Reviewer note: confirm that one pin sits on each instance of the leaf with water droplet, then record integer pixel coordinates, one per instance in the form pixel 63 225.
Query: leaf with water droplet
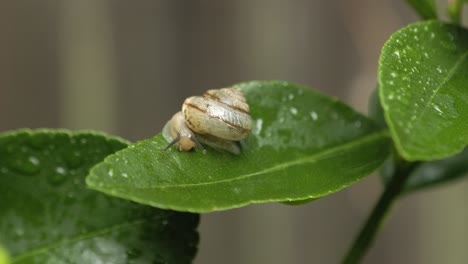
pixel 51 217
pixel 304 145
pixel 427 111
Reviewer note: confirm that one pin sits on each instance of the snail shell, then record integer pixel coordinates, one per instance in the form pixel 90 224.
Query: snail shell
pixel 220 118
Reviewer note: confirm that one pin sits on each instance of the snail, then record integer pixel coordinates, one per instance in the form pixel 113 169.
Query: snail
pixel 220 119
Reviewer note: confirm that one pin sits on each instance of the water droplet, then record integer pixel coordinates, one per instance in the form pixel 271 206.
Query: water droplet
pixel 125 175
pixel 291 97
pixel 415 70
pixel 59 177
pixel 314 115
pixel 258 126
pixel 110 173
pixel 293 110
pixel 61 170
pixel 397 53
pixel 34 160
pixel 393 74
pixel 29 166
pixel 436 107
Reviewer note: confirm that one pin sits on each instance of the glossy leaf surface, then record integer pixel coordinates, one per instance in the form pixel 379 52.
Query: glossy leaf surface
pixel 49 216
pixel 425 174
pixel 304 145
pixel 423 78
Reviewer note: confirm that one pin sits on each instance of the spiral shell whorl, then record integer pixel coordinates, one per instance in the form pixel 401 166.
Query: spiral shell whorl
pixel 222 113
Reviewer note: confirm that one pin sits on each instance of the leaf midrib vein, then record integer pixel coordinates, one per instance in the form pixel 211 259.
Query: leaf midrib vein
pixel 80 237
pixel 444 81
pixel 312 158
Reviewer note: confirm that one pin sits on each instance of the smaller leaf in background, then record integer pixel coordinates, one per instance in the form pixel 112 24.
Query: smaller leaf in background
pixel 49 216
pixel 425 8
pixel 423 78
pixel 432 173
pixel 304 145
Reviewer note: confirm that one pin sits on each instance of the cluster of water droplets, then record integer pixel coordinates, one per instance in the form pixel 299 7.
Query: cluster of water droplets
pixel 414 77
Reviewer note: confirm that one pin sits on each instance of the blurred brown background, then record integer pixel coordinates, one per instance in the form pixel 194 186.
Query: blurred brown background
pixel 125 67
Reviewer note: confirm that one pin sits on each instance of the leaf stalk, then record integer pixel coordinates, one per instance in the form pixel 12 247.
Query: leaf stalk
pixel 368 232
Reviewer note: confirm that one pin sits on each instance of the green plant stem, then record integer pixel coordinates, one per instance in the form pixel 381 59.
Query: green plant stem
pixel 381 209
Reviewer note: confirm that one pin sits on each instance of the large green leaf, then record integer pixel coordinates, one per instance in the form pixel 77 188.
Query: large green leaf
pixel 304 145
pixel 426 8
pixel 423 89
pixel 48 216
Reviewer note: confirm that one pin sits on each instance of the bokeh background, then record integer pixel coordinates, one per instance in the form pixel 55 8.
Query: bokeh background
pixel 124 67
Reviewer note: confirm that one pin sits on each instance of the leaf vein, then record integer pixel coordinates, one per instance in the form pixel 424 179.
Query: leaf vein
pixel 96 233
pixel 444 81
pixel 316 157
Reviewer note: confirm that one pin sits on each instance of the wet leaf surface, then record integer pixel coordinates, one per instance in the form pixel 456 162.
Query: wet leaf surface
pixel 304 145
pixel 422 78
pixel 49 216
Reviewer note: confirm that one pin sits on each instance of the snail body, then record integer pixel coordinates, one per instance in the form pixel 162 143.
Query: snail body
pixel 220 118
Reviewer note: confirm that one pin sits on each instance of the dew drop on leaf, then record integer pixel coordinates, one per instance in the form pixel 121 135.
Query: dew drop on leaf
pixel 26 166
pixel 314 115
pixel 58 177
